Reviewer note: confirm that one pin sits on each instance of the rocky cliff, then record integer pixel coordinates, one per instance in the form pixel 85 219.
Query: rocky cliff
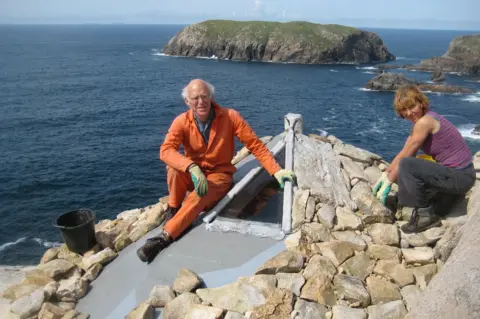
pixel 295 42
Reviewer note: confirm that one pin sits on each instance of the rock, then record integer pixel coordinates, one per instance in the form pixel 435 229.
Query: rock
pixel 297 42
pixel 337 251
pixel 36 277
pixel 50 290
pixel 72 314
pixel 384 234
pixel 50 311
pixel 411 295
pixel 308 310
pixel 319 265
pixel 180 306
pixel 142 311
pixel 50 255
pixel 441 88
pixel 424 274
pixel 29 305
pixel 437 76
pixel 372 173
pixel 239 297
pixel 299 207
pixel 360 266
pixel 388 82
pixel 355 153
pixel 347 220
pixel 352 289
pixel 355 241
pixel 291 282
pixel 382 291
pixel 428 237
pixel 139 231
pixel 130 214
pixel 56 267
pixel 95 249
pixel 362 195
pixel 160 295
pixel 326 215
pixel 319 289
pixel 295 239
pixel 316 232
pixel 200 311
pixel 342 312
pixel 397 272
pixel 286 261
pixel 122 241
pixel 310 209
pixel 278 305
pixel 65 305
pixel 266 284
pixel 384 252
pixel 103 257
pixel 390 310
pixel 186 281
pixel 418 255
pixel 93 272
pixel 72 289
pixel 16 291
pixel 447 243
pixel 106 231
pixel 354 170
pixel 234 315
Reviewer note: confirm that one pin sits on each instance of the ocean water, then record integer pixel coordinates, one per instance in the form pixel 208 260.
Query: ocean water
pixel 84 109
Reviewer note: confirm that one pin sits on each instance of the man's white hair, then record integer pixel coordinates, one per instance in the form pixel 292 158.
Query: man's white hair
pixel 211 90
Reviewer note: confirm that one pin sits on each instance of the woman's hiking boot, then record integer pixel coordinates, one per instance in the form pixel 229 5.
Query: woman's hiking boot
pixel 422 219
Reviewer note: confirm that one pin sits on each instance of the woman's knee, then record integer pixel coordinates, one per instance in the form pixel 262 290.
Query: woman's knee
pixel 405 166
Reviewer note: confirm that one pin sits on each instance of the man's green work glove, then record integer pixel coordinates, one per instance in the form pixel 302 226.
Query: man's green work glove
pixel 285 175
pixel 199 180
pixel 382 188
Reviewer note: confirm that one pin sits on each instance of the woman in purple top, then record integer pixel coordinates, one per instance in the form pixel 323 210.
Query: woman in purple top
pixel 425 185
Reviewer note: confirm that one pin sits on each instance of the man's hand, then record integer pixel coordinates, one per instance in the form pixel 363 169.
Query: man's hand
pixel 382 188
pixel 199 180
pixel 285 175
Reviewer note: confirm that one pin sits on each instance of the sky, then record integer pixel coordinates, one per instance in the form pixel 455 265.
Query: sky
pixel 418 14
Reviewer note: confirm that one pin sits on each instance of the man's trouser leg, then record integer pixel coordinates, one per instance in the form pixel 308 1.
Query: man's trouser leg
pixel 417 178
pixel 178 184
pixel 218 186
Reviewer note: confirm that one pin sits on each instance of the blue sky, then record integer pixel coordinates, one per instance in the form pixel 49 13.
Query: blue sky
pixel 429 14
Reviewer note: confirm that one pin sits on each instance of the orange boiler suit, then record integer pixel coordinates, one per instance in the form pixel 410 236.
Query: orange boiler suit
pixel 215 160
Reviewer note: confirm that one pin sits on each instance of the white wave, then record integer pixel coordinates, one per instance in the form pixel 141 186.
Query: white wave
pixel 366 90
pixel 431 92
pixel 467 131
pixel 366 68
pixel 213 57
pixel 474 98
pixel 6 245
pixel 370 72
pixel 47 244
pixel 322 132
pixel 159 54
pixel 332 70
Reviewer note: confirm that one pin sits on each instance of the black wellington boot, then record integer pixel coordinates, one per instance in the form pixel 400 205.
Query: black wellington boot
pixel 152 247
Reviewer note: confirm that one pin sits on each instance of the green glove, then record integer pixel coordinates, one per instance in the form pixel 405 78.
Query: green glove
pixel 285 175
pixel 382 188
pixel 199 180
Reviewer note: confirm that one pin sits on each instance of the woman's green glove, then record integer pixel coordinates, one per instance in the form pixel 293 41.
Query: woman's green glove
pixel 199 180
pixel 382 188
pixel 284 175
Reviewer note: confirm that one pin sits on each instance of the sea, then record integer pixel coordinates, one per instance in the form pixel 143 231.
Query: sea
pixel 84 109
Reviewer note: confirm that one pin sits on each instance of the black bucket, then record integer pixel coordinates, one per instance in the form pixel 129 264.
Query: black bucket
pixel 78 230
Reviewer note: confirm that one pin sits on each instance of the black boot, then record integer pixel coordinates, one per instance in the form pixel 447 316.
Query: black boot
pixel 153 246
pixel 422 219
pixel 168 214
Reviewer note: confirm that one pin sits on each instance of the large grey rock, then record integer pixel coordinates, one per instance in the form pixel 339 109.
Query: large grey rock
pixel 237 296
pixel 29 305
pixel 418 255
pixel 353 169
pixel 355 153
pixel 318 168
pixel 428 237
pixel 291 282
pixel 186 281
pixel 160 295
pixel 72 289
pixel 319 289
pixel 372 173
pixel 424 274
pixel 337 251
pixel 384 234
pixel 308 310
pixel 179 307
pixel 310 210
pixel 397 272
pixel 447 243
pixel 234 315
pixel 103 257
pixel 362 195
pixel 299 208
pixel 200 311
pixel 278 305
pixel 51 311
pixel 355 241
pixel 142 311
pixel 316 232
pixel 411 295
pixel 56 267
pixel 266 284
pixel 347 220
pixel 384 252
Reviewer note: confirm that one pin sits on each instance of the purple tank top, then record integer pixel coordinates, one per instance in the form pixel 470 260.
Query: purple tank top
pixel 447 146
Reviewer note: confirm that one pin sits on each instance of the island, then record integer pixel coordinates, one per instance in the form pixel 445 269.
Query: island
pixel 291 42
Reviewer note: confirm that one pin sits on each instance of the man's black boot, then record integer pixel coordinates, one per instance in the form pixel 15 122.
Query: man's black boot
pixel 422 219
pixel 168 214
pixel 153 246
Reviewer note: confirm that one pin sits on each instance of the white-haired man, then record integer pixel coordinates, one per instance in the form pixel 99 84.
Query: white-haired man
pixel 206 132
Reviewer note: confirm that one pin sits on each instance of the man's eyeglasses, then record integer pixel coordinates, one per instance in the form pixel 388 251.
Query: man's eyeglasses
pixel 197 98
